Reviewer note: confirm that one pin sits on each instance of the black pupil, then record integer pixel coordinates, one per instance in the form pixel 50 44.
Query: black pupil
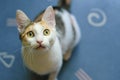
pixel 30 33
pixel 46 31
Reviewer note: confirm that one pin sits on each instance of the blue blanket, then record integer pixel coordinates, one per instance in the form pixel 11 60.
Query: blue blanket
pixel 95 58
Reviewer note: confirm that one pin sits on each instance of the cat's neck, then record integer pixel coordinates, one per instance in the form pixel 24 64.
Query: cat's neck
pixel 29 50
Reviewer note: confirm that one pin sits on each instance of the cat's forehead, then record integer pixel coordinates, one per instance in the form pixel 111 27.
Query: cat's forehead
pixel 37 26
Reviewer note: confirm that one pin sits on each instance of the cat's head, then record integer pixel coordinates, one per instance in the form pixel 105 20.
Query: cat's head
pixel 37 35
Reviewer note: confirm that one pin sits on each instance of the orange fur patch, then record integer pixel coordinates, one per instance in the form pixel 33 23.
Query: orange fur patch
pixel 23 36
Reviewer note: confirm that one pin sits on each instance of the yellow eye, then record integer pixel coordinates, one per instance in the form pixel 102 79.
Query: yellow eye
pixel 46 32
pixel 30 34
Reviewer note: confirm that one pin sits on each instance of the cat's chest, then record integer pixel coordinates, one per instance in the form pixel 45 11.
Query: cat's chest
pixel 43 63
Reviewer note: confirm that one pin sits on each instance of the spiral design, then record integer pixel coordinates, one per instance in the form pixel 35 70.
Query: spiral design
pixel 97 13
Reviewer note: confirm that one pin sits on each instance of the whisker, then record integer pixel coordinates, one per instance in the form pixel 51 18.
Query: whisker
pixel 27 56
pixel 26 46
pixel 24 67
pixel 30 54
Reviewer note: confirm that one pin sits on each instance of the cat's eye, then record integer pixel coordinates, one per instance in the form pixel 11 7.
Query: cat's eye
pixel 46 32
pixel 30 34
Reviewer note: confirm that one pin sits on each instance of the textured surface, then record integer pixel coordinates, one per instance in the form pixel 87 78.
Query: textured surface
pixel 97 55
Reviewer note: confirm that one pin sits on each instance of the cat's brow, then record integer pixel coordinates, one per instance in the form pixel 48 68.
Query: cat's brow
pixel 31 23
pixel 22 35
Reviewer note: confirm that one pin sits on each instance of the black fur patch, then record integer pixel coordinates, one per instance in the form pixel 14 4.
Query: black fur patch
pixel 60 27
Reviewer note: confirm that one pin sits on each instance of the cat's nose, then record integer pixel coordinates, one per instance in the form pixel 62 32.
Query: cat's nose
pixel 39 42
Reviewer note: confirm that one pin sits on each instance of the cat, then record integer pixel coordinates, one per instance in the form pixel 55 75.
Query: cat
pixel 47 40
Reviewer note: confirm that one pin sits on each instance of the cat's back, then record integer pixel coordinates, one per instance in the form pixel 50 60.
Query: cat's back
pixel 65 29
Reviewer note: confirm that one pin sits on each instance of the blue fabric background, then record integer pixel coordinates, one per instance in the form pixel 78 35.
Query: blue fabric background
pixel 97 54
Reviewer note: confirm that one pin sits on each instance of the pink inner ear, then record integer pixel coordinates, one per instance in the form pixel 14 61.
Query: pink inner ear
pixel 51 20
pixel 22 20
pixel 49 17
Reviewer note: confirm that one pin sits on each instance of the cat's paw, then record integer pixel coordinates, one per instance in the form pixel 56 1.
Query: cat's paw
pixel 66 57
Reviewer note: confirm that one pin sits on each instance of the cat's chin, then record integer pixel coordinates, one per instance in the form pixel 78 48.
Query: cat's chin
pixel 41 48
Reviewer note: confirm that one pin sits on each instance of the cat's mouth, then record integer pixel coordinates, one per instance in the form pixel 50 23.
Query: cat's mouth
pixel 40 47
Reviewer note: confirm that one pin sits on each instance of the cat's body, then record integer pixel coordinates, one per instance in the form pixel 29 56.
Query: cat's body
pixel 68 31
pixel 46 41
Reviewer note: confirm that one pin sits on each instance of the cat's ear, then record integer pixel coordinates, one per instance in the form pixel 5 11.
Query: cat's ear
pixel 49 17
pixel 22 20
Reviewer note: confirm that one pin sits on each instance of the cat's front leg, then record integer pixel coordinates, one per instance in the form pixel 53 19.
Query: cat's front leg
pixel 53 76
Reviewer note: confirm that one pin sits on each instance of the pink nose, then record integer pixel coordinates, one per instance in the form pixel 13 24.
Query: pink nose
pixel 39 42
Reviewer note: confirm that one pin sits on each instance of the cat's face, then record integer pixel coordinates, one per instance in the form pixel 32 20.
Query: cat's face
pixel 37 35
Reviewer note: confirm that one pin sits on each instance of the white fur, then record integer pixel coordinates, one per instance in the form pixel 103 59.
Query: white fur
pixel 68 39
pixel 77 30
pixel 43 61
pixel 49 60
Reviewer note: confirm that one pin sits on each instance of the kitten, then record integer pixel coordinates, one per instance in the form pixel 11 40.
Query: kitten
pixel 47 40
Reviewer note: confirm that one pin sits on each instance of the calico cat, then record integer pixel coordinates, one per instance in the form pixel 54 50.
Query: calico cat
pixel 47 40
